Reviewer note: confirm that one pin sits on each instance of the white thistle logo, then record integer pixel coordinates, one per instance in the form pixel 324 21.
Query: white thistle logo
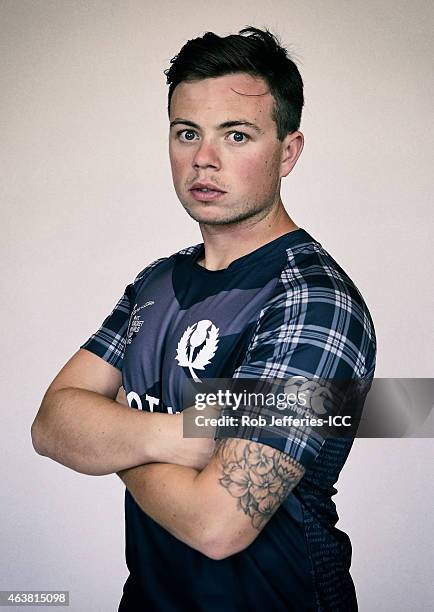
pixel 204 332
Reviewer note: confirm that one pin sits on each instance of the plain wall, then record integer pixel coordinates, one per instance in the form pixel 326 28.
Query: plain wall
pixel 87 201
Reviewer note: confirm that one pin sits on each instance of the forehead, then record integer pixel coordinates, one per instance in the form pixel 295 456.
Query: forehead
pixel 223 98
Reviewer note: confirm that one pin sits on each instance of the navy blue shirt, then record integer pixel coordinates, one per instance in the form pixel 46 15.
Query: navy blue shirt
pixel 286 309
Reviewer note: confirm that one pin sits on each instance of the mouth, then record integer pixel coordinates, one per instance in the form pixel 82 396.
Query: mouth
pixel 206 192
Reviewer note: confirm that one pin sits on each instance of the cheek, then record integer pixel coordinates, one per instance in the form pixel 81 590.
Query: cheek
pixel 257 171
pixel 247 168
pixel 177 164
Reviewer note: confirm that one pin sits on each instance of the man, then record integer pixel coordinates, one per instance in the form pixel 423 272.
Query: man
pixel 250 525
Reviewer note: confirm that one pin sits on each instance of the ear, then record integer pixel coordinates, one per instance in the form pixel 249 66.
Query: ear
pixel 292 146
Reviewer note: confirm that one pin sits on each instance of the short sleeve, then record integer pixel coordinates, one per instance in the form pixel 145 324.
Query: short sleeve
pixel 109 341
pixel 314 327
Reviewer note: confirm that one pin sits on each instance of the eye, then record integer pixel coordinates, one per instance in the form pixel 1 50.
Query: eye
pixel 238 137
pixel 186 135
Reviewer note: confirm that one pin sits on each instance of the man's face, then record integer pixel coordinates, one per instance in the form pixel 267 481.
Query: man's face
pixel 226 159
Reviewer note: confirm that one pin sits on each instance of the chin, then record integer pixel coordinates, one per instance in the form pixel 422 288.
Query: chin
pixel 223 215
pixel 219 217
pixel 207 217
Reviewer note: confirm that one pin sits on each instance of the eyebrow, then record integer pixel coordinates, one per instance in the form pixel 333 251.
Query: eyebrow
pixel 222 126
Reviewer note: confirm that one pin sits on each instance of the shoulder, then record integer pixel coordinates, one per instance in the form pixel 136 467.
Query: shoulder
pixel 162 264
pixel 317 312
pixel 310 268
pixel 312 285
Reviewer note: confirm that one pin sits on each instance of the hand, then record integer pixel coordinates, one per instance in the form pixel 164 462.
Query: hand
pixel 195 452
pixel 121 397
pixel 192 452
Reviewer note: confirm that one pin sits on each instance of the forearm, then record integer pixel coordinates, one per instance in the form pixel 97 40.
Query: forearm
pixel 221 509
pixel 170 494
pixel 93 434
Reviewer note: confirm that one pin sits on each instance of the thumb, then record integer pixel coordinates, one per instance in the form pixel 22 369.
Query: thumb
pixel 121 397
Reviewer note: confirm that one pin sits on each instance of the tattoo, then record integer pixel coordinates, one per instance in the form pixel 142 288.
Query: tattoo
pixel 258 476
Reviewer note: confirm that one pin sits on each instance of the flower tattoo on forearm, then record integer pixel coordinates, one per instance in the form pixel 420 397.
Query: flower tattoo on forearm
pixel 258 476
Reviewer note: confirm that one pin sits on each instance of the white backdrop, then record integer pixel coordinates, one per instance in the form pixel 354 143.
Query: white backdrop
pixel 87 202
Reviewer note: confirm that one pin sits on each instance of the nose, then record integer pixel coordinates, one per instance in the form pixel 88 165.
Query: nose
pixel 206 156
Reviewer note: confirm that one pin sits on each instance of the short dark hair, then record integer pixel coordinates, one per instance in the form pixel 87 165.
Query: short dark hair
pixel 254 51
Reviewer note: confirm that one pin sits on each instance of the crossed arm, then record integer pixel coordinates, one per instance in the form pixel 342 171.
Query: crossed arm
pixel 221 509
pixel 217 506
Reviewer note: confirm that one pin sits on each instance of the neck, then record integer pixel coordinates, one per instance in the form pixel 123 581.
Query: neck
pixel 226 243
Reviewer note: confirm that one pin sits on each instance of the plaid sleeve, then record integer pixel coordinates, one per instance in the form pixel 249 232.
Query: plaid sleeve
pixel 110 340
pixel 316 326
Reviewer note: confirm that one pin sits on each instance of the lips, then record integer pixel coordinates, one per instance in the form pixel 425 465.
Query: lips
pixel 205 192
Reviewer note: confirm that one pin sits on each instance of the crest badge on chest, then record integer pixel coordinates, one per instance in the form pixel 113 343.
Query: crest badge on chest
pixel 197 346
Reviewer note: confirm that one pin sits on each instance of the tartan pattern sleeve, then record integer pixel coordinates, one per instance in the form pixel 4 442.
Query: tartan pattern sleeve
pixel 109 341
pixel 316 326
